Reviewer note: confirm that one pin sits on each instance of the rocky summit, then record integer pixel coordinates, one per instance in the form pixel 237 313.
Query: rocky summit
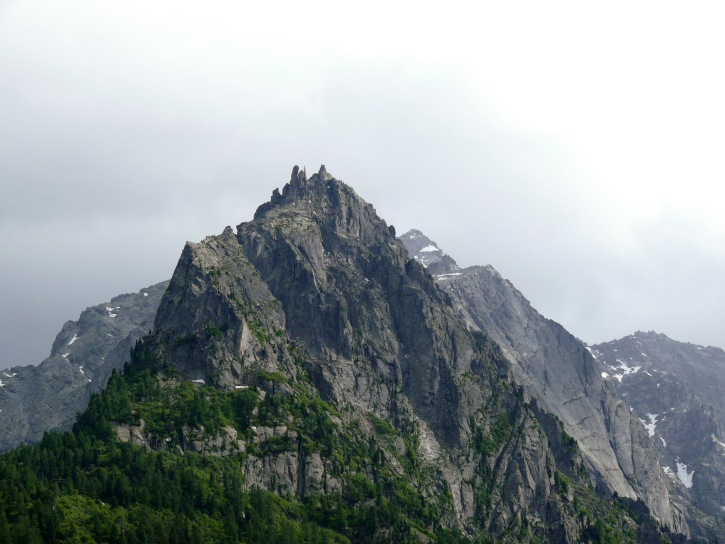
pixel 312 378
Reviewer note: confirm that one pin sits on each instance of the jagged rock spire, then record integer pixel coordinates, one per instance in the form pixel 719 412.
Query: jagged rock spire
pixel 298 176
pixel 298 188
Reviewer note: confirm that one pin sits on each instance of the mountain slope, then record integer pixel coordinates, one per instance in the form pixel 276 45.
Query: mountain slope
pixel 677 389
pixel 36 399
pixel 557 370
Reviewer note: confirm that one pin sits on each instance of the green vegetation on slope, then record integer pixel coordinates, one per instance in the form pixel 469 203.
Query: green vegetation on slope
pixel 88 486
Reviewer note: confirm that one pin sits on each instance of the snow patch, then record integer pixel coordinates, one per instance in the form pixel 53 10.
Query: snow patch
pixel 683 475
pixel 714 439
pixel 65 355
pixel 605 375
pixel 198 381
pixel 2 384
pixel 428 249
pixel 112 310
pixel 667 470
pixel 664 444
pixel 145 294
pixel 10 375
pixel 81 369
pixel 241 387
pixel 651 425
pixel 75 337
pixel 625 368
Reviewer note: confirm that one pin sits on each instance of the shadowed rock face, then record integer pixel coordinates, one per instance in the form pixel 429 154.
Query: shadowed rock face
pixel 677 390
pixel 36 399
pixel 557 370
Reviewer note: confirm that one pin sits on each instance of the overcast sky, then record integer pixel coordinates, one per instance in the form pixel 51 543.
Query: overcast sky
pixel 577 149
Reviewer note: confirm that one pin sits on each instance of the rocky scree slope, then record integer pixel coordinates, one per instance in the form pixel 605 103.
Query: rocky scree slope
pixel 677 390
pixel 314 307
pixel 557 371
pixel 36 399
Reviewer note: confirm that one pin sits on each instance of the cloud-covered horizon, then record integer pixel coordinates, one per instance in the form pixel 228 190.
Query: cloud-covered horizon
pixel 575 150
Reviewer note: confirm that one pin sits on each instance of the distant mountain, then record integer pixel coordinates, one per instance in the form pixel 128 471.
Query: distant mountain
pixel 426 252
pixel 677 390
pixel 36 399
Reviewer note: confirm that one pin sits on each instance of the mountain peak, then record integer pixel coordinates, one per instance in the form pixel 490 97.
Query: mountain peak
pixel 426 252
pixel 326 204
pixel 313 190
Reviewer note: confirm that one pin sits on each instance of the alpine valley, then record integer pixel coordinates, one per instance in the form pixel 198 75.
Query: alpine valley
pixel 309 377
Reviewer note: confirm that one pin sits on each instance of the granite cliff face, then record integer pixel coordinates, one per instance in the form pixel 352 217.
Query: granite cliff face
pixel 557 370
pixel 677 390
pixel 36 399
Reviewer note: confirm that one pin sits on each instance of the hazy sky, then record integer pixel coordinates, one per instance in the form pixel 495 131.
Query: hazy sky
pixel 577 149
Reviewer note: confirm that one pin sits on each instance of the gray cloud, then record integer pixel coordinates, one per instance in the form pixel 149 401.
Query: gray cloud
pixel 120 141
